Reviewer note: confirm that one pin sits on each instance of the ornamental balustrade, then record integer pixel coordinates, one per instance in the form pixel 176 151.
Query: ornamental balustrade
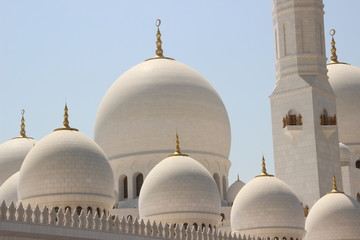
pixel 110 223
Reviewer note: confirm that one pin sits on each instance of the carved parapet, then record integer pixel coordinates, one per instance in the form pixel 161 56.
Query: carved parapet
pixel 110 224
pixel 82 219
pixel 45 215
pixel 11 212
pixel 20 213
pixel 28 213
pixel 103 222
pixel 96 221
pixel 36 214
pixel 52 215
pixel 89 221
pixel 142 227
pixel 3 210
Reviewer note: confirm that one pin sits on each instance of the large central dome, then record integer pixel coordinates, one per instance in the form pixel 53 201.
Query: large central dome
pixel 144 107
pixel 142 110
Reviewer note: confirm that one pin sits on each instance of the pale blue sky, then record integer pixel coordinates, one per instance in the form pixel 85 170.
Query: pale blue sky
pixel 75 49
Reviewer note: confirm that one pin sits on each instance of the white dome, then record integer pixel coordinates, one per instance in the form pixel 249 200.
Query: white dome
pixel 66 168
pixel 8 190
pixel 233 190
pixel 180 190
pixel 334 216
pixel 345 154
pixel 145 106
pixel 12 155
pixel 345 81
pixel 266 206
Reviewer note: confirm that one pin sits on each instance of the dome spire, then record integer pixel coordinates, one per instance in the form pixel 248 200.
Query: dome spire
pixel 333 48
pixel 334 186
pixel 177 148
pixel 159 51
pixel 66 123
pixel 237 178
pixel 22 126
pixel 263 171
pixel 334 57
pixel 22 130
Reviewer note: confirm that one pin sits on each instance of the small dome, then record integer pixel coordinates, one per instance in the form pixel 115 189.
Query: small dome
pixel 335 216
pixel 180 190
pixel 66 168
pixel 345 154
pixel 345 81
pixel 8 190
pixel 266 206
pixel 12 155
pixel 233 190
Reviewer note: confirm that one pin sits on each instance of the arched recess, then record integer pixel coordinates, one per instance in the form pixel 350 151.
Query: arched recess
pixel 276 44
pixel 138 180
pixel 306 42
pixel 224 184
pixel 217 180
pixel 78 210
pixel 358 197
pixel 357 164
pixel 292 112
pixel 68 208
pixel 222 217
pixel 123 187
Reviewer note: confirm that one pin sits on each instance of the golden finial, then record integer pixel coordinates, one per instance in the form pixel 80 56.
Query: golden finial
pixel 263 171
pixel 334 57
pixel 66 125
pixel 334 186
pixel 22 126
pixel 66 117
pixel 159 51
pixel 177 148
pixel 22 131
pixel 333 48
pixel 306 210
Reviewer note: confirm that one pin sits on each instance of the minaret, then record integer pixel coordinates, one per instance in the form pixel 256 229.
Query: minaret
pixel 306 144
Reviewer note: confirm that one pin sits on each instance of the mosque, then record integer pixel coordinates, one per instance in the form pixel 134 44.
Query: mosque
pixel 159 162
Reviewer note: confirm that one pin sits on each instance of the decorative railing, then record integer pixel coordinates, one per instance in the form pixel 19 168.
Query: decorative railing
pixel 108 223
pixel 327 120
pixel 292 119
